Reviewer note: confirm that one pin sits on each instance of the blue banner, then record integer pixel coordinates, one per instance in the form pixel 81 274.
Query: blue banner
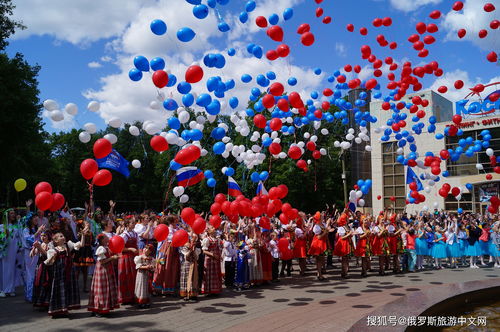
pixel 412 177
pixel 116 162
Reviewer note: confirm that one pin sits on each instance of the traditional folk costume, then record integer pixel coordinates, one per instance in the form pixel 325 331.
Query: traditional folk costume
pixel 11 256
pixel 212 278
pixel 363 249
pixel 318 245
pixel 167 270
pixel 103 296
pixel 142 290
pixel 188 287
pixel 30 263
pixel 255 262
pixel 242 279
pixel 65 294
pixel 42 285
pixel 85 256
pixel 126 269
pixel 343 249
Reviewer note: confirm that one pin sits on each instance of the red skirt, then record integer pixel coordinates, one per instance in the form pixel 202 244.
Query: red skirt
pixel 318 246
pixel 103 295
pixel 168 270
pixel 360 250
pixel 126 278
pixel 267 265
pixel 393 244
pixel 342 247
pixel 377 243
pixel 299 250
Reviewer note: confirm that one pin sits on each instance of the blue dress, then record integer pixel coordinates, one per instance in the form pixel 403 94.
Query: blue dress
pixel 242 278
pixel 439 248
pixel 494 248
pixel 421 246
pixel 463 243
pixel 453 250
pixel 473 249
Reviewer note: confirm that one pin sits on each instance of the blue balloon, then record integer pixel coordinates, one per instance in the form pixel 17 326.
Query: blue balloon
pixel 257 51
pixel 208 174
pixel 203 100
pixel 233 102
pixel 211 3
pixel 231 51
pixel 218 133
pixel 187 99
pixel 196 135
pixel 243 17
pixel 194 2
pixel 174 166
pixel 183 87
pixel 229 171
pixel 245 78
pixel 219 148
pixel 211 182
pixel 267 141
pixel 158 27
pixel 135 74
pixel 292 81
pixel 271 75
pixel 157 64
pixel 250 48
pixel 255 177
pixel 174 123
pixel 250 6
pixel 170 104
pixel 287 14
pixel 263 175
pixel 317 71
pixel 274 19
pixel 200 11
pixel 172 80
pixel 186 135
pixel 220 61
pixel 469 186
pixel 213 108
pixel 185 34
pixel 223 27
pixel 141 63
pixel 460 210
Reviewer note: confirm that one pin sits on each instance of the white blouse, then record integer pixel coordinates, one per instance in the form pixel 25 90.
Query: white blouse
pixel 52 252
pixel 101 253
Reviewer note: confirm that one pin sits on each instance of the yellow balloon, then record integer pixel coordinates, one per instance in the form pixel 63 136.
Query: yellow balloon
pixel 20 185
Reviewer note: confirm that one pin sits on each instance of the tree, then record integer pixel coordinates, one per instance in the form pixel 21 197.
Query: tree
pixel 7 25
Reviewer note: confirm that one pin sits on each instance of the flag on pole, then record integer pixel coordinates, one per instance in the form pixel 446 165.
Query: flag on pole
pixel 261 190
pixel 412 177
pixel 189 176
pixel 232 187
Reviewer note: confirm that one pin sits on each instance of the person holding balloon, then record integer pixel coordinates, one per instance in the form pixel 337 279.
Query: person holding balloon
pixel 318 244
pixel 85 256
pixel 343 245
pixel 145 267
pixel 126 266
pixel 103 296
pixel 42 285
pixel 167 270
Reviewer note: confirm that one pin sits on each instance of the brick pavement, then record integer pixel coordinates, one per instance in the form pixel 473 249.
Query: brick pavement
pixel 295 304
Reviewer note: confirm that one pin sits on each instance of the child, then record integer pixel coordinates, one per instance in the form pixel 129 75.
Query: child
pixel 103 295
pixel 273 248
pixel 242 279
pixel 439 248
pixel 410 249
pixel 84 258
pixel 229 255
pixel 42 285
pixel 144 266
pixel 189 270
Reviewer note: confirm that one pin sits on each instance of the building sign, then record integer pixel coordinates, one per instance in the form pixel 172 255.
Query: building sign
pixel 479 122
pixel 486 191
pixel 474 106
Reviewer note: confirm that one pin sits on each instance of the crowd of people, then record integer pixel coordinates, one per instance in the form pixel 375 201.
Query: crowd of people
pixel 49 252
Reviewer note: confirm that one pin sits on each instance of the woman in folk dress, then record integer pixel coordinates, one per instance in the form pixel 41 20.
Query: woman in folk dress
pixel 212 279
pixel 188 287
pixel 167 271
pixel 126 266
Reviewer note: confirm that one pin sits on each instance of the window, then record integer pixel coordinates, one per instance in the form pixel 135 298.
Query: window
pixel 393 177
pixel 466 203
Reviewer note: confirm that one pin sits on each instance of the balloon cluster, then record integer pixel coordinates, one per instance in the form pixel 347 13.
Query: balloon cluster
pixel 46 200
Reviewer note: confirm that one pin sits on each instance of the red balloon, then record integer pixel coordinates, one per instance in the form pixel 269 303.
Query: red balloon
pixel 102 178
pixel 283 50
pixel 492 209
pixel 194 74
pixel 43 186
pixel 295 100
pixel 259 121
pixel 226 208
pixel 215 208
pixel 275 32
pixel 304 27
pixel 413 186
pixel 265 223
pixel 494 24
pixel 457 118
pixel 116 244
pixel 461 33
pixel 276 89
pixel 160 79
pixel 421 27
pixel 88 168
pixel 158 143
pixel 275 148
pixel 492 57
pixel 494 96
pixel 276 124
pixel 457 6
pixel 327 20
pixel 188 155
pixel 102 148
pixel 459 84
pixel 429 39
pixel 284 190
pixel 489 7
pixel 442 89
pixel 319 11
pixel 57 202
pixel 371 83
pixel 272 55
pixel 431 28
pixel 387 21
pixel 350 27
pixel 311 146
pixel 301 164
pixel 199 225
pixel 220 198
pixel 283 104
pixel 43 200
pixel 379 197
pixel 489 177
pixel 455 191
pixel 363 31
pixel 294 152
pixel 261 21
pixel 444 154
pixel 179 238
pixel 284 219
pixel 161 232
pixel 377 22
pixel 495 201
pixel 482 33
pixel 188 215
pixel 307 39
pixel 215 221
pixel 268 101
pixel 392 198
pixel 435 14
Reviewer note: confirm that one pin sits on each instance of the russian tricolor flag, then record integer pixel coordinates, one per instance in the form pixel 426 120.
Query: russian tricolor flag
pixel 189 176
pixel 261 190
pixel 232 187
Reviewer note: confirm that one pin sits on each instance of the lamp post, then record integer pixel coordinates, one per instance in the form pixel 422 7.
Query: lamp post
pixel 344 180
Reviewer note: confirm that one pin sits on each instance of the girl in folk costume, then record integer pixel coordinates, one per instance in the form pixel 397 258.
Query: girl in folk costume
pixel 255 263
pixel 144 266
pixel 363 245
pixel 242 279
pixel 395 242
pixel 212 279
pixel 64 294
pixel 287 255
pixel 484 243
pixel 452 245
pixel 380 247
pixel 103 295
pixel 462 243
pixel 167 270
pixel 267 259
pixel 421 247
pixel 42 284
pixel 188 288
pixel 439 248
pixel 299 247
pixel 275 254
pixel 84 258
pixel 126 266
pixel 144 229
pixel 229 255
pixel 318 244
pixel 343 244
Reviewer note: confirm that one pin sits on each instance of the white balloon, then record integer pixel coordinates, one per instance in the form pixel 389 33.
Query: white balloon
pixel 368 148
pixel 359 193
pixel 201 119
pixel 314 138
pixel 479 167
pixel 274 134
pixel 358 140
pixel 350 131
pixel 71 109
pixel 307 135
pixel 225 154
pixel 151 129
pixel 211 118
pixel 324 131
pixel 50 105
pixel 490 152
pixel 245 131
pixel 178 191
pixel 136 163
pixel 93 106
pixel 459 197
pixel 301 144
pixel 133 130
pixel 203 152
pixel 316 124
pixel 436 204
pixel 322 151
pixel 171 138
pixel 183 116
pixel 184 198
pixel 427 189
pixel 181 141
pixel 84 137
pixel 56 115
pixel 349 137
pixel 431 183
pixel 155 105
pixel 361 202
pixel 115 122
pixel 111 138
pixel 226 139
pixel 336 144
pixel 90 128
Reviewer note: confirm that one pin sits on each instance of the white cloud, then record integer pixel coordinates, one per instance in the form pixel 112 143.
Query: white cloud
pixel 94 64
pixel 106 58
pixel 473 18
pixel 76 21
pixel 449 78
pixel 411 5
pixel 341 49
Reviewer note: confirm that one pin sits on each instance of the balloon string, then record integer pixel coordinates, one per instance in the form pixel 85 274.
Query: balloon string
pixel 315 178
pixel 170 181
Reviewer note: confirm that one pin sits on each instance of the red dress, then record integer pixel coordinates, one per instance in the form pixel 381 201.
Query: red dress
pixel 392 240
pixel 103 295
pixel 299 248
pixel 361 246
pixel 126 269
pixel 267 263
pixel 342 246
pixel 168 268
pixel 318 246
pixel 212 278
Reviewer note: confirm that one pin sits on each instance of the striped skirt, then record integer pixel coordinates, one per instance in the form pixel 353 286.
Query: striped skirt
pixel 126 278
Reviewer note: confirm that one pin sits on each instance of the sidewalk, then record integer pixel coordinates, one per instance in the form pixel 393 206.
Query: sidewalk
pixel 295 304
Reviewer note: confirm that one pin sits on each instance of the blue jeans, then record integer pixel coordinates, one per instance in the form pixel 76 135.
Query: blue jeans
pixel 412 258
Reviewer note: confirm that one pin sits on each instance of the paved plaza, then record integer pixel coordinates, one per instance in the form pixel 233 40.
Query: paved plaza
pixel 294 304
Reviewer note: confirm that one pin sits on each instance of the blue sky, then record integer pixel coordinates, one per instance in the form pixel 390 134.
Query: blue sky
pixel 65 37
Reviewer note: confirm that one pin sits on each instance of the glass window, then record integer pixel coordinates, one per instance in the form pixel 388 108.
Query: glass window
pixel 393 177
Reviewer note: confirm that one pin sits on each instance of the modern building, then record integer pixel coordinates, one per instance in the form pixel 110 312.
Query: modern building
pixel 389 176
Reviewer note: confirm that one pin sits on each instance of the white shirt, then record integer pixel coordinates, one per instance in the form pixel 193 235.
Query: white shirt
pixel 228 252
pixel 274 249
pixel 299 233
pixel 140 229
pixel 341 231
pixel 317 229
